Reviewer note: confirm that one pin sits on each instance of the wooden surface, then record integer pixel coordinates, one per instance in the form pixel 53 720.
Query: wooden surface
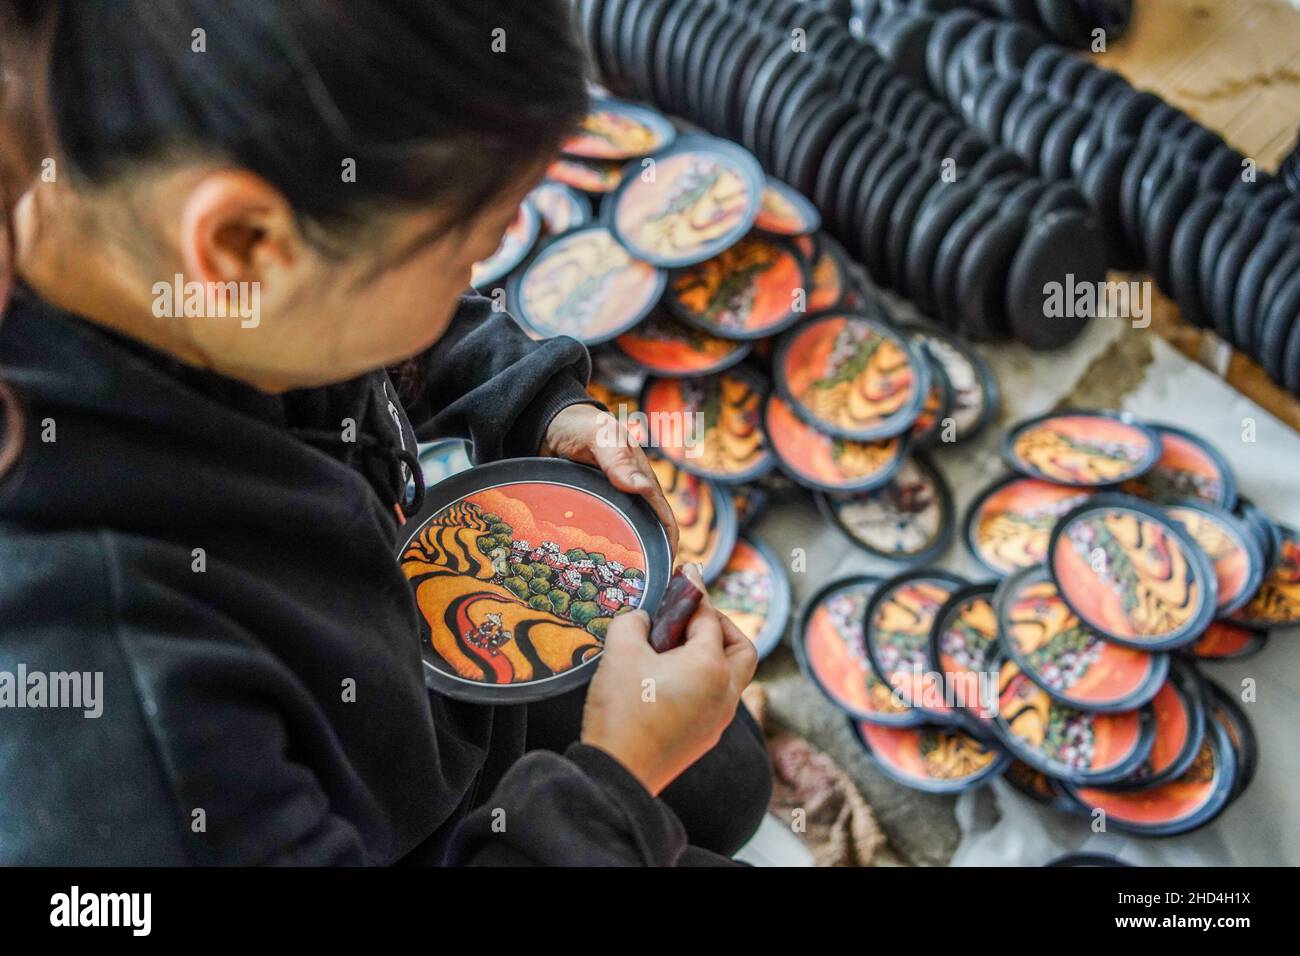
pixel 1234 65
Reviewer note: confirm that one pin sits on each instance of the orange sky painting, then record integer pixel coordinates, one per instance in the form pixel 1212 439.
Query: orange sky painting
pixel 544 512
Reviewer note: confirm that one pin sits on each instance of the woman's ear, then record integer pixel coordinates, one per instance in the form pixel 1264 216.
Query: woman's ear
pixel 237 227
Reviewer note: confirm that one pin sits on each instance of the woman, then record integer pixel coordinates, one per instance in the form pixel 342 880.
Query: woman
pixel 201 511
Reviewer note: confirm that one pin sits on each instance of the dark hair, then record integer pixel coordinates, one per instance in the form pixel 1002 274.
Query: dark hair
pixel 435 101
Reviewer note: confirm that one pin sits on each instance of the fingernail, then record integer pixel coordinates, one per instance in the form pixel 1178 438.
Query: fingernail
pixel 638 480
pixel 695 573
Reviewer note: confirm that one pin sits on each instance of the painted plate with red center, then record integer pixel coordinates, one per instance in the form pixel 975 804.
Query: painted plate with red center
pixel 1132 573
pixel 617 130
pixel 818 461
pixel 1082 448
pixel 831 650
pixel 749 291
pixel 899 619
pixel 1180 806
pixel 518 568
pixel 1228 713
pixel 786 212
pixel 592 176
pixel 706 517
pixel 965 628
pixel 711 426
pixel 852 376
pixel 754 591
pixel 669 348
pixel 1010 523
pixel 1067 658
pixel 1277 603
pixel 830 274
pixel 1229 544
pixel 584 284
pixel 1225 641
pixel 934 759
pixel 1180 715
pixel 1064 742
pixel 1188 467
pixel 688 203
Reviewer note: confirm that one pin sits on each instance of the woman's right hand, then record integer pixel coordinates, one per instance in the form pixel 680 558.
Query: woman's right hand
pixel 657 714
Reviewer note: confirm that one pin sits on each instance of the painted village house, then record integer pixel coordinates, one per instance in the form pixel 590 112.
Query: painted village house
pixel 611 599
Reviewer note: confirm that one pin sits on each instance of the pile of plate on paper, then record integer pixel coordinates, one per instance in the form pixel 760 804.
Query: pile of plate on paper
pixel 932 210
pixel 733 338
pixel 1124 557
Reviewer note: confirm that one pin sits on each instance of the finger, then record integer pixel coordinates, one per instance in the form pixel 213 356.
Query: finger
pixel 628 469
pixel 733 638
pixel 704 632
pixel 629 628
pixel 742 659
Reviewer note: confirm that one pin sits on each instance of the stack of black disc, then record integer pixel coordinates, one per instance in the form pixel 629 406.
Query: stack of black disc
pixel 1071 22
pixel 1219 236
pixel 934 212
pixel 1289 171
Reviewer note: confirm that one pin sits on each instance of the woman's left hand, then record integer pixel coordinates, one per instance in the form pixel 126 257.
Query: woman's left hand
pixel 584 433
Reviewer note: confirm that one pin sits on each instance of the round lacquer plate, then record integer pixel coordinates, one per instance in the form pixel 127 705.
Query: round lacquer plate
pixel 1064 656
pixel 711 426
pixel 516 244
pixel 517 570
pixel 976 396
pixel 1225 641
pixel 703 197
pixel 594 176
pixel 965 629
pixel 561 207
pixel 1180 806
pixel 823 463
pixel 617 130
pixel 1180 714
pixel 706 517
pixel 750 291
pixel 899 619
pixel 909 519
pixel 1188 467
pixel 932 758
pixel 852 376
pixel 1082 449
pixel 830 646
pixel 1132 573
pixel 668 348
pixel 754 591
pixel 786 212
pixel 584 284
pixel 1231 547
pixel 1277 603
pixel 1064 742
pixel 1010 523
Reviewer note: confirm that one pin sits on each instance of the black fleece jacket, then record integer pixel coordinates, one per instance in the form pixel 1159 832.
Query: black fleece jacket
pixel 226 561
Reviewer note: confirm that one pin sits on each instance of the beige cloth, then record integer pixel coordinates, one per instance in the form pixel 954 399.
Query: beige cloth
pixel 817 798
